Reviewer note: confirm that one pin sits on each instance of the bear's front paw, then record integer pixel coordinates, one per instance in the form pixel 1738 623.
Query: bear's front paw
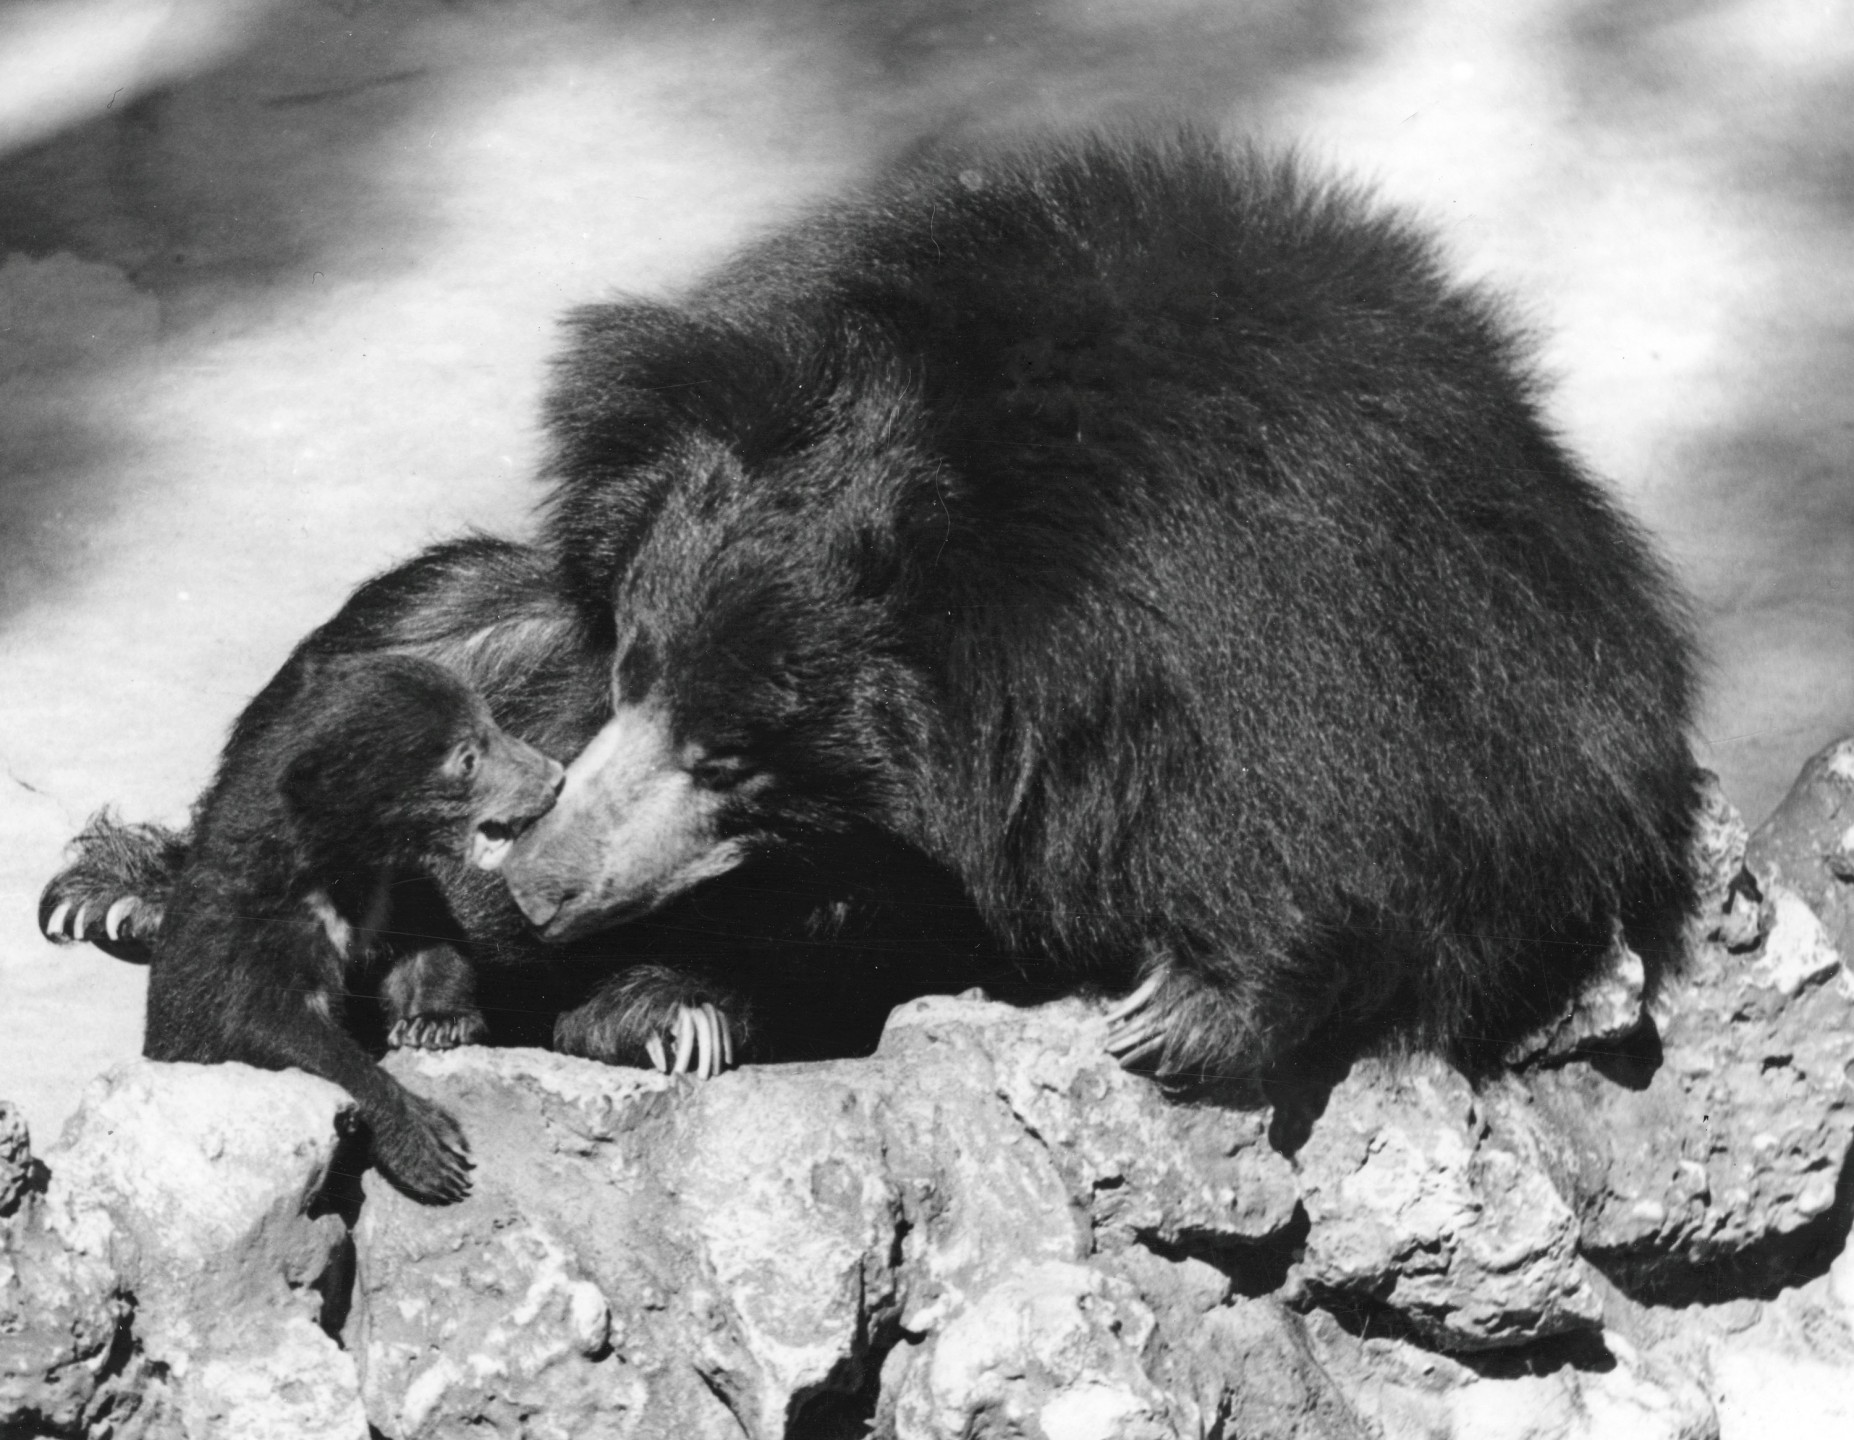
pixel 703 1040
pixel 675 1023
pixel 438 1030
pixel 421 1148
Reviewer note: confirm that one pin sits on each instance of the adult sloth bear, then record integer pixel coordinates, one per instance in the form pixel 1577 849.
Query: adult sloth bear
pixel 1151 541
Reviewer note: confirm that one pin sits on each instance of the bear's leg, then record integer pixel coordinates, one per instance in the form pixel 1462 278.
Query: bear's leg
pixel 430 1001
pixel 675 1021
pixel 114 891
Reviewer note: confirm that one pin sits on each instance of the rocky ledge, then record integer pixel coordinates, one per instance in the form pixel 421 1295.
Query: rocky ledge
pixel 989 1230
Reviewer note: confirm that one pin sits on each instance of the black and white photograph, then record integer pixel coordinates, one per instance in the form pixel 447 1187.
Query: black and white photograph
pixel 926 720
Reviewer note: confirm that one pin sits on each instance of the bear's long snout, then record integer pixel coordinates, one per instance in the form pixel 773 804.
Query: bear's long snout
pixel 631 828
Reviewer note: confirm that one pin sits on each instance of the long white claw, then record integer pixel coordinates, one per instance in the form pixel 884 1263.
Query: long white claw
pixel 1138 998
pixel 727 1041
pixel 119 911
pixel 54 922
pixel 653 1047
pixel 1145 1050
pixel 1122 1039
pixel 685 1040
pixel 705 1047
pixel 79 920
pixel 717 1025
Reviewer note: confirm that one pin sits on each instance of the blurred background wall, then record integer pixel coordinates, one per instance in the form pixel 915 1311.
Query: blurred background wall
pixel 279 278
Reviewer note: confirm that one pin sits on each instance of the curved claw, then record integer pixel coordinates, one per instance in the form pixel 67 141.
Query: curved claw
pixel 701 1045
pixel 1124 1039
pixel 685 1039
pixel 79 920
pixel 1135 1032
pixel 724 1041
pixel 699 1042
pixel 54 922
pixel 120 912
pixel 1136 1044
pixel 1124 1008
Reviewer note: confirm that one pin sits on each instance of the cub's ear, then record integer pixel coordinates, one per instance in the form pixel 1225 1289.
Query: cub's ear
pixel 309 784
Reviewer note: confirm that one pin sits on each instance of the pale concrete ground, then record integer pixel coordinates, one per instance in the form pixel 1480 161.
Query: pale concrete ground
pixel 280 319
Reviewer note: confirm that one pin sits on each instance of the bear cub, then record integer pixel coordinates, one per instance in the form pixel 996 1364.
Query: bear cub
pixel 328 815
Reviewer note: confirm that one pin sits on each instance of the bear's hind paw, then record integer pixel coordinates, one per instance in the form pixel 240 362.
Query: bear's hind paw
pixel 1136 1029
pixel 120 925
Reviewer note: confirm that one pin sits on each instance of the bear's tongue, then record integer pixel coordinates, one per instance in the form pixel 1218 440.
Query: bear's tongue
pixel 490 844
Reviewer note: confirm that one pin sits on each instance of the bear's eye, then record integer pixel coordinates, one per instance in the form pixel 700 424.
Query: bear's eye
pixel 719 769
pixel 636 672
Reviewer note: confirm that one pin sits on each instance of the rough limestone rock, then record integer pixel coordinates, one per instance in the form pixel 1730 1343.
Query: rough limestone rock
pixel 736 1256
pixel 206 1191
pixel 1052 1349
pixel 1783 1368
pixel 1200 1177
pixel 1609 1389
pixel 1807 845
pixel 16 1171
pixel 1722 1140
pixel 60 1310
pixel 989 1231
pixel 1421 1202
pixel 1613 1009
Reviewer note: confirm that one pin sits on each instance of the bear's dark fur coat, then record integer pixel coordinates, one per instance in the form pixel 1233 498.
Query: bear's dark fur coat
pixel 1159 543
pixel 1151 547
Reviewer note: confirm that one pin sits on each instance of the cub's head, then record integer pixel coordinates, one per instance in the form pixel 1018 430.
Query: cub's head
pixel 393 759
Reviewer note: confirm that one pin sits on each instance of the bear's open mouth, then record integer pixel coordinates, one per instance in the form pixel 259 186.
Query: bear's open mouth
pixel 490 844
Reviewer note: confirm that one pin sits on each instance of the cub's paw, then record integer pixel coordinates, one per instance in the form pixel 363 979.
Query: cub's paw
pixel 421 1148
pixel 438 1030
pixel 673 1022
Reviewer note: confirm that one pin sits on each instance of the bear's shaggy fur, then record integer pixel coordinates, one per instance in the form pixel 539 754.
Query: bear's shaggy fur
pixel 347 780
pixel 1127 564
pixel 1160 543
